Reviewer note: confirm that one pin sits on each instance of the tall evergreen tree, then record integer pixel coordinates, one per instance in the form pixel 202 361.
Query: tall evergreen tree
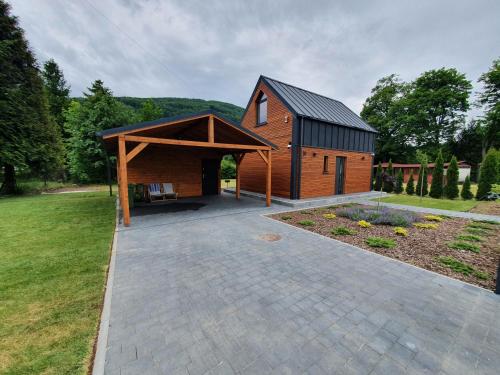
pixel 28 137
pixel 422 189
pixel 388 186
pixel 451 188
pixel 466 193
pixel 410 186
pixel 57 91
pixel 150 111
pixel 487 174
pixel 399 182
pixel 437 177
pixel 98 111
pixel 378 177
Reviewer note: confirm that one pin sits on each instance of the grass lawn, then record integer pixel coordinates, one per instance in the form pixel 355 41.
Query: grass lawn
pixel 444 204
pixel 54 251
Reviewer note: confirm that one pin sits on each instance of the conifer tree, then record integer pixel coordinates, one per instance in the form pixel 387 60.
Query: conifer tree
pixel 399 182
pixel 437 177
pixel 57 91
pixel 410 186
pixel 28 138
pixel 487 173
pixel 388 186
pixel 466 193
pixel 451 189
pixel 378 177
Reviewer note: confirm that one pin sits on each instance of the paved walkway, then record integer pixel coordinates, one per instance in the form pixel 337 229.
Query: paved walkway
pixel 201 292
pixel 436 211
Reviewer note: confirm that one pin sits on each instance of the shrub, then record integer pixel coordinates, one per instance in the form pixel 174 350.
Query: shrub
pixel 485 221
pixel 364 224
pixel 478 231
pixel 425 225
pixel 410 186
pixel 400 231
pixel 469 237
pixel 329 216
pixel 451 189
pixel 382 216
pixel 477 224
pixel 343 231
pixel 466 193
pixel 487 174
pixel 437 177
pixel 461 245
pixel 286 218
pixel 433 218
pixel 462 268
pixel 380 242
pixel 307 223
pixel 307 212
pixel 398 189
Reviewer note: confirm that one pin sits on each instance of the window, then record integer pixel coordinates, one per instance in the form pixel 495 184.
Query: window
pixel 325 164
pixel 262 109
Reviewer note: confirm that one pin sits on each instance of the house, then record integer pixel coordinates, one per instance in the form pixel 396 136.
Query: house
pixel 463 170
pixel 324 148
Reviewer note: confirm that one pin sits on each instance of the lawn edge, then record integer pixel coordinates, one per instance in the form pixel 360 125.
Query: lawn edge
pixel 381 255
pixel 96 364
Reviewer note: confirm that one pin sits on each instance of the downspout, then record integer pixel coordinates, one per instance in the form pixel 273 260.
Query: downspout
pixel 299 156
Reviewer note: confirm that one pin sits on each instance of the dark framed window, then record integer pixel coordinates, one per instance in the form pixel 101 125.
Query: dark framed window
pixel 261 109
pixel 325 164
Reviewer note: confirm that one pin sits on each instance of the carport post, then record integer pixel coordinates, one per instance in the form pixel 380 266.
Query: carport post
pixel 122 155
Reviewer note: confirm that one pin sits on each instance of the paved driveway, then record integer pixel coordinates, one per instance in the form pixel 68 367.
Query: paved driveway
pixel 200 292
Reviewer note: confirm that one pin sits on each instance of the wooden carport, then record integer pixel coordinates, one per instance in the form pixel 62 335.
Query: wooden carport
pixel 182 137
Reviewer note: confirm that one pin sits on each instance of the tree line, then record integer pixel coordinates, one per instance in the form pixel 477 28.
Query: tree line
pixel 429 115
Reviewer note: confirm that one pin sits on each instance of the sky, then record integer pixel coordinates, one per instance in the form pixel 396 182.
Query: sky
pixel 218 49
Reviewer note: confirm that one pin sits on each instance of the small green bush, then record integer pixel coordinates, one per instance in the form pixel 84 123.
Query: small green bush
pixel 400 231
pixel 469 237
pixel 477 224
pixel 307 212
pixel 461 245
pixel 286 218
pixel 329 216
pixel 307 223
pixel 462 268
pixel 425 225
pixel 478 231
pixel 343 231
pixel 380 242
pixel 433 218
pixel 410 186
pixel 466 193
pixel 484 221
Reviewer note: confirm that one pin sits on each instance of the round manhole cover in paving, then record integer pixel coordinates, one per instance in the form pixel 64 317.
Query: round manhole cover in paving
pixel 271 237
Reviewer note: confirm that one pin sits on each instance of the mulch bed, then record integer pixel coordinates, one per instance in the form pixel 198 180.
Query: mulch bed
pixel 421 247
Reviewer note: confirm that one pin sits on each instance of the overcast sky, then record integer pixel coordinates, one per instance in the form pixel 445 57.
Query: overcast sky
pixel 217 49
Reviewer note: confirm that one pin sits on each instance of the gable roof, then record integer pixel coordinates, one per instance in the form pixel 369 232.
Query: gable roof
pixel 180 118
pixel 308 104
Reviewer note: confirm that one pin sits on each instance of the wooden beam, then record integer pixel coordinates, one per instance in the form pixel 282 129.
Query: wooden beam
pixel 238 159
pixel 178 142
pixel 122 156
pixel 132 154
pixel 268 179
pixel 262 156
pixel 211 131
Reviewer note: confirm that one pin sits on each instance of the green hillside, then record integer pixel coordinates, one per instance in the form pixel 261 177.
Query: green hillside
pixel 179 106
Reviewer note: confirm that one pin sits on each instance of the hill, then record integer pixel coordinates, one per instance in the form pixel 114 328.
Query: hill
pixel 179 106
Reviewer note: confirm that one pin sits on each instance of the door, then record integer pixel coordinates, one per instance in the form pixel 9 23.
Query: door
pixel 210 176
pixel 339 175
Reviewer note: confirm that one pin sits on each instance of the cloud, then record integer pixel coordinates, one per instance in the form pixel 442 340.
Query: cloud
pixel 218 49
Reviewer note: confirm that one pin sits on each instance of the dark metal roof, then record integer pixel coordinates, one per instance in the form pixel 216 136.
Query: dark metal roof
pixel 315 106
pixel 165 120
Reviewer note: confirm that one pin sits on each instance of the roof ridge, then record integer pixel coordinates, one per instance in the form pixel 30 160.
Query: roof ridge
pixel 299 88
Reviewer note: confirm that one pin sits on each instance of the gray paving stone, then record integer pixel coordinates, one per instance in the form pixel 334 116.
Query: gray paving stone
pixel 198 292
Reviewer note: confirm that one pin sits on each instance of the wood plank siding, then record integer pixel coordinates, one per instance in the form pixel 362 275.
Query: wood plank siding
pixel 277 131
pixel 317 183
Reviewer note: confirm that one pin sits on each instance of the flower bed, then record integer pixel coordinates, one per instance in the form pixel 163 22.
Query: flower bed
pixel 459 248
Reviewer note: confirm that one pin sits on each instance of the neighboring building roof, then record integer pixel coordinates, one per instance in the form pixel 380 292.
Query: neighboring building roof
pixel 166 120
pixel 461 164
pixel 308 104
